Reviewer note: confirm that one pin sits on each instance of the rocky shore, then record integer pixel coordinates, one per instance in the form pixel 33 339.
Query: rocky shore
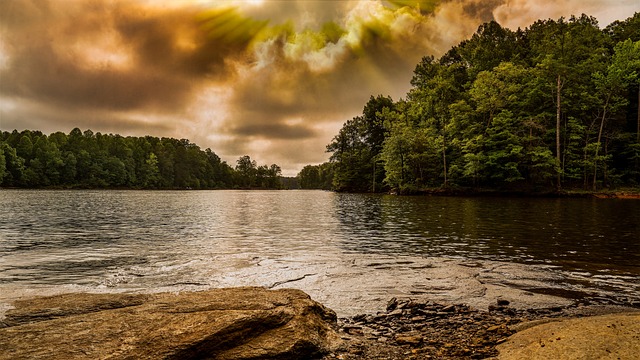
pixel 426 330
pixel 239 323
pixel 257 323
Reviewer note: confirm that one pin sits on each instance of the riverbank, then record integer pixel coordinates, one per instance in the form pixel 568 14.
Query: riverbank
pixel 564 193
pixel 425 330
pixel 627 193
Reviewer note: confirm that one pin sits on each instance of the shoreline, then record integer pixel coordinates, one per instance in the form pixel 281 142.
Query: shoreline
pixel 454 192
pixel 564 193
pixel 405 329
pixel 353 284
pixel 410 329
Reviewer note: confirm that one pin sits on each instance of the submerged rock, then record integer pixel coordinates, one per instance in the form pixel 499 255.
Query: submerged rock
pixel 237 323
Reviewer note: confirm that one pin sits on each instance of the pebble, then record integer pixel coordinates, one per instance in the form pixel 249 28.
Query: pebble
pixel 412 340
pixel 430 330
pixel 449 308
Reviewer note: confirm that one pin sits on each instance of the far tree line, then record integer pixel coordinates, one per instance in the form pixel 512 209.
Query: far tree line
pixel 84 159
pixel 550 107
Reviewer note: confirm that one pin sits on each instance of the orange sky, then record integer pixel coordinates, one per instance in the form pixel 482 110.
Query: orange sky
pixel 271 79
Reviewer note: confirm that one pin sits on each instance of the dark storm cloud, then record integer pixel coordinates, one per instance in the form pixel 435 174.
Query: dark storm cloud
pixel 275 131
pixel 51 119
pixel 39 73
pixel 161 57
pixel 482 9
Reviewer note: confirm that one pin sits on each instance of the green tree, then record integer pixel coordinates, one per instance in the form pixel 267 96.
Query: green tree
pixel 309 177
pixel 435 88
pixel 247 171
pixel 567 52
pixel 316 176
pixel 149 173
pixel 114 172
pixel 499 89
pixel 3 165
pixel 351 157
pixel 166 160
pixel 356 148
pixel 44 169
pixel 274 176
pixel 395 155
pixel 486 49
pixel 14 164
pixel 610 87
pixel 221 172
pixel 69 169
pixel 621 30
pixel 25 147
pixel 503 148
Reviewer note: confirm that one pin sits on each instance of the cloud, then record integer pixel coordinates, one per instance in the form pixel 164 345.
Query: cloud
pixel 107 55
pixel 25 114
pixel 522 13
pixel 295 74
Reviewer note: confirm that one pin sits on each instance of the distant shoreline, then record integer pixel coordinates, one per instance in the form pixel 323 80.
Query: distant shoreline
pixel 621 194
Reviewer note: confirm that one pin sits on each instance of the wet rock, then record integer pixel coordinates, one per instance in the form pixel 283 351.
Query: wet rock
pixel 412 340
pixel 392 304
pixel 240 323
pixel 461 332
pixel 353 330
pixel 450 308
pixel 403 304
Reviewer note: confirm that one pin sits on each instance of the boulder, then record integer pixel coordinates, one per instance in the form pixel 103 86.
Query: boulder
pixel 236 323
pixel 614 336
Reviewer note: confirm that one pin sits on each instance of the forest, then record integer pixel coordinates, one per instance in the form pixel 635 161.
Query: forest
pixel 547 108
pixel 31 159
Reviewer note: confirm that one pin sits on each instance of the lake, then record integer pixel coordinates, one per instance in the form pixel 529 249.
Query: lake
pixel 350 251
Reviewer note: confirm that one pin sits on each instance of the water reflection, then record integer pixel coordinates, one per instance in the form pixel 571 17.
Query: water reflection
pixel 588 234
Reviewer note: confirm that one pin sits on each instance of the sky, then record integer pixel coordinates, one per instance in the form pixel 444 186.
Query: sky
pixel 272 79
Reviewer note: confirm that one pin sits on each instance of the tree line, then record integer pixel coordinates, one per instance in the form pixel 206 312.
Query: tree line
pixel 80 159
pixel 549 107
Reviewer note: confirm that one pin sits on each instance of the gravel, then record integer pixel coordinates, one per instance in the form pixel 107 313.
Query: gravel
pixel 410 329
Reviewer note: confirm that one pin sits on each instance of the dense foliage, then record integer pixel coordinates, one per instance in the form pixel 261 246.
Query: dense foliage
pixel 316 177
pixel 551 106
pixel 84 159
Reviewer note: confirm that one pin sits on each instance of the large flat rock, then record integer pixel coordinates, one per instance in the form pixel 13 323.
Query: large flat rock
pixel 237 323
pixel 615 336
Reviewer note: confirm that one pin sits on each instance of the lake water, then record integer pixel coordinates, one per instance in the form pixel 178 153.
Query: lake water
pixel 325 243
